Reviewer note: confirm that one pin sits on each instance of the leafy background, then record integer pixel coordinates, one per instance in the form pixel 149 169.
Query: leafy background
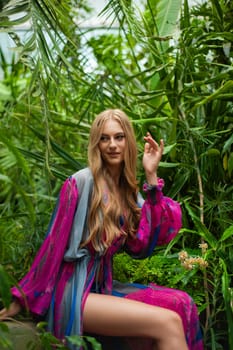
pixel 169 66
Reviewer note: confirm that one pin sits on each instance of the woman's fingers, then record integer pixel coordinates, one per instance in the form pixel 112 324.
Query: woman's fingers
pixel 151 143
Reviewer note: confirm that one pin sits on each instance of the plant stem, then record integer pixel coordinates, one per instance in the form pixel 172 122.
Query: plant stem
pixel 201 211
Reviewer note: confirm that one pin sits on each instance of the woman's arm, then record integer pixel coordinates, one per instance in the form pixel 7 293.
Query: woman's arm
pixel 161 216
pixel 160 221
pixel 36 287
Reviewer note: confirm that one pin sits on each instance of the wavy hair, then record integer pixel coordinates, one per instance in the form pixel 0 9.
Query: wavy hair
pixel 104 220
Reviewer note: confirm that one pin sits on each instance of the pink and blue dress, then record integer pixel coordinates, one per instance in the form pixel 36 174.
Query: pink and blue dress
pixel 63 273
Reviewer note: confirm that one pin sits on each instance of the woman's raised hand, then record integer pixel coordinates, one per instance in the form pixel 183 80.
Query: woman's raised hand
pixel 152 155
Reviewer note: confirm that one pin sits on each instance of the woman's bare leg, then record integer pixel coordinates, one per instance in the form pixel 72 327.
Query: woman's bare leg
pixel 13 310
pixel 115 316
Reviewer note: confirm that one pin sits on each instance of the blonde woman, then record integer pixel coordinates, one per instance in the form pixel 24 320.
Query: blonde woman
pixel 99 212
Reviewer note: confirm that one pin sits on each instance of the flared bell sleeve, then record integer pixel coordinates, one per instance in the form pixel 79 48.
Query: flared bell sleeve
pixel 36 288
pixel 161 220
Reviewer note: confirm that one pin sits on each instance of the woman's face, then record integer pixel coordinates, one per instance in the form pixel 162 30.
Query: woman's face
pixel 112 143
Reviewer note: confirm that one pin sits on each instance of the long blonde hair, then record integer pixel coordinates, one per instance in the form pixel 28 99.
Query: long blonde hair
pixel 104 221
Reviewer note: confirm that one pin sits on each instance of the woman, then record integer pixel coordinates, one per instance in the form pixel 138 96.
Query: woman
pixel 100 211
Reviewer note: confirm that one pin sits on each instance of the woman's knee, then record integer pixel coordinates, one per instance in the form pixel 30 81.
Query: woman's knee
pixel 171 332
pixel 172 324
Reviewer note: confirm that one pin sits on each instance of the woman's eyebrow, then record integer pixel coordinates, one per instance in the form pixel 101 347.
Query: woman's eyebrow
pixel 120 133
pixel 117 133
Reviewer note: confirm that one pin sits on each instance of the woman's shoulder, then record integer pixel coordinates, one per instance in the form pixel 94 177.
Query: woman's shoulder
pixel 83 177
pixel 82 173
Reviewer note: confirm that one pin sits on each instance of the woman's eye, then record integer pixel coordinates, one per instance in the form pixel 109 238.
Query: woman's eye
pixel 104 138
pixel 120 137
pixel 107 138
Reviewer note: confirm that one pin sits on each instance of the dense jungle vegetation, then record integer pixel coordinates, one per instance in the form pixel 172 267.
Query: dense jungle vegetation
pixel 169 66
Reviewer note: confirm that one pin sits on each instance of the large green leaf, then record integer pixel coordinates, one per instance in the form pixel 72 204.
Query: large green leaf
pixel 168 12
pixel 227 234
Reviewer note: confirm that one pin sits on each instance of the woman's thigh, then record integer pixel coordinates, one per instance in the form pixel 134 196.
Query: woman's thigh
pixel 115 316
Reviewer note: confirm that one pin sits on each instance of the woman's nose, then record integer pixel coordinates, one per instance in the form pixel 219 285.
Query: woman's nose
pixel 112 142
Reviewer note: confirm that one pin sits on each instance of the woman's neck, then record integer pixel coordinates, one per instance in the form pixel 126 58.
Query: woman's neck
pixel 115 174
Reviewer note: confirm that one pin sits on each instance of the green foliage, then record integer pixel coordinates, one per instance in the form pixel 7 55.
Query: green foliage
pixel 5 342
pixel 5 286
pixel 162 270
pixel 169 66
pixel 49 342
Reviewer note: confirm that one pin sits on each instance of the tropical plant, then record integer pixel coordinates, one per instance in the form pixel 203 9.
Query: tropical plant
pixel 169 66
